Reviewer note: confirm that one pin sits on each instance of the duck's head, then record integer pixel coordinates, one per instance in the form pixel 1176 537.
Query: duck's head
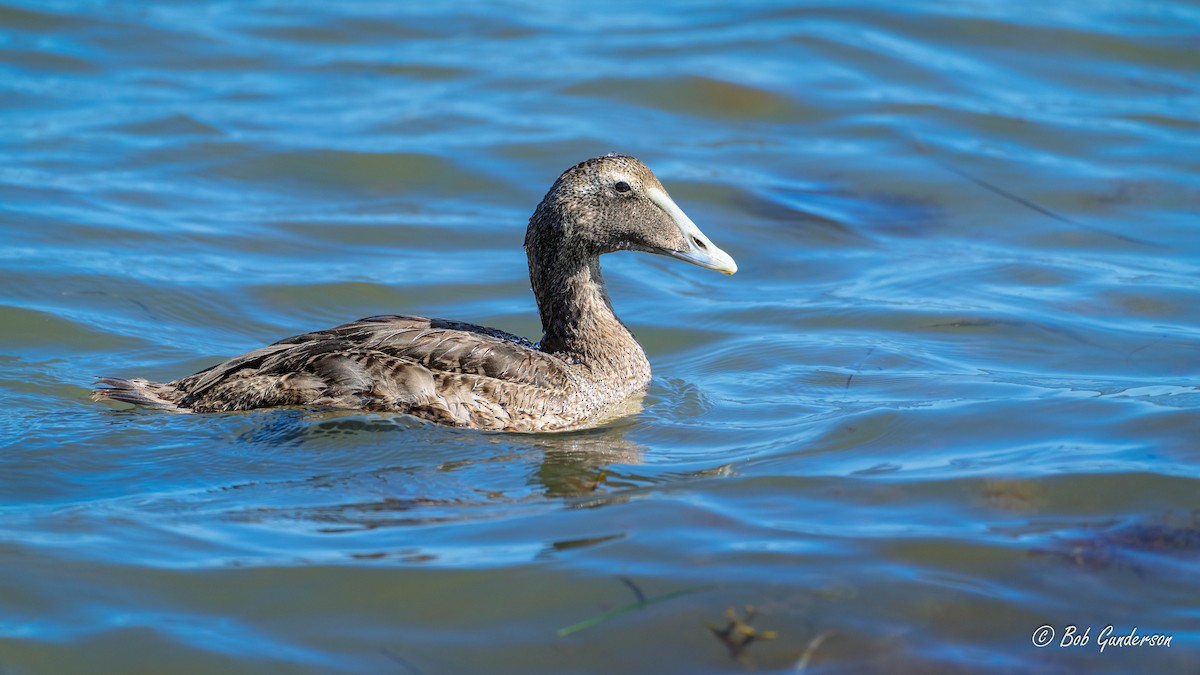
pixel 614 203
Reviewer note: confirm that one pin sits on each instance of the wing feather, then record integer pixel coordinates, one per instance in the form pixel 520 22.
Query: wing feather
pixel 447 371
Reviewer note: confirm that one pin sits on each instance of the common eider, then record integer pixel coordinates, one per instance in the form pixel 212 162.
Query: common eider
pixel 586 364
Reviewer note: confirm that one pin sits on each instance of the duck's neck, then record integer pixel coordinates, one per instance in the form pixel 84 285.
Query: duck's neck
pixel 578 319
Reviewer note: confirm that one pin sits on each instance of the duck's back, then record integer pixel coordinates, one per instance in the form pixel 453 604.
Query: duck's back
pixel 444 371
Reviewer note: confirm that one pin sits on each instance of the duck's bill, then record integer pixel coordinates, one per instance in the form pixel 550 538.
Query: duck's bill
pixel 700 251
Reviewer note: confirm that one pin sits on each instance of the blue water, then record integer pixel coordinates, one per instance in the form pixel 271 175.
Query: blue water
pixel 951 396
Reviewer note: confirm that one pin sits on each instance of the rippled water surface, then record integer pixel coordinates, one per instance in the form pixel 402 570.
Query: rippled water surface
pixel 952 396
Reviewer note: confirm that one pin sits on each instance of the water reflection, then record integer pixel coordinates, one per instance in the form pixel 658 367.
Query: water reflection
pixel 424 475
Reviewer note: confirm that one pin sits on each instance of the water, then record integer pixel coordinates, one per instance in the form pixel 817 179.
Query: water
pixel 952 395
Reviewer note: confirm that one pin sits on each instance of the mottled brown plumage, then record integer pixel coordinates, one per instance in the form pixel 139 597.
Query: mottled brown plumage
pixel 459 374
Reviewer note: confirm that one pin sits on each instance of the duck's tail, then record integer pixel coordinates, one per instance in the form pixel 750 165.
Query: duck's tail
pixel 138 392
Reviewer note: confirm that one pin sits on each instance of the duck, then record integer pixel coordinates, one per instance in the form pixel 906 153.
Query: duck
pixel 587 364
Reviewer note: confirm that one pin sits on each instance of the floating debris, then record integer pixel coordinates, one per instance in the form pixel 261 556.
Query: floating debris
pixel 806 658
pixel 738 634
pixel 642 602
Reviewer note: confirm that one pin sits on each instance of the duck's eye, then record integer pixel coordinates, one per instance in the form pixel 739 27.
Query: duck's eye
pixel 622 186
